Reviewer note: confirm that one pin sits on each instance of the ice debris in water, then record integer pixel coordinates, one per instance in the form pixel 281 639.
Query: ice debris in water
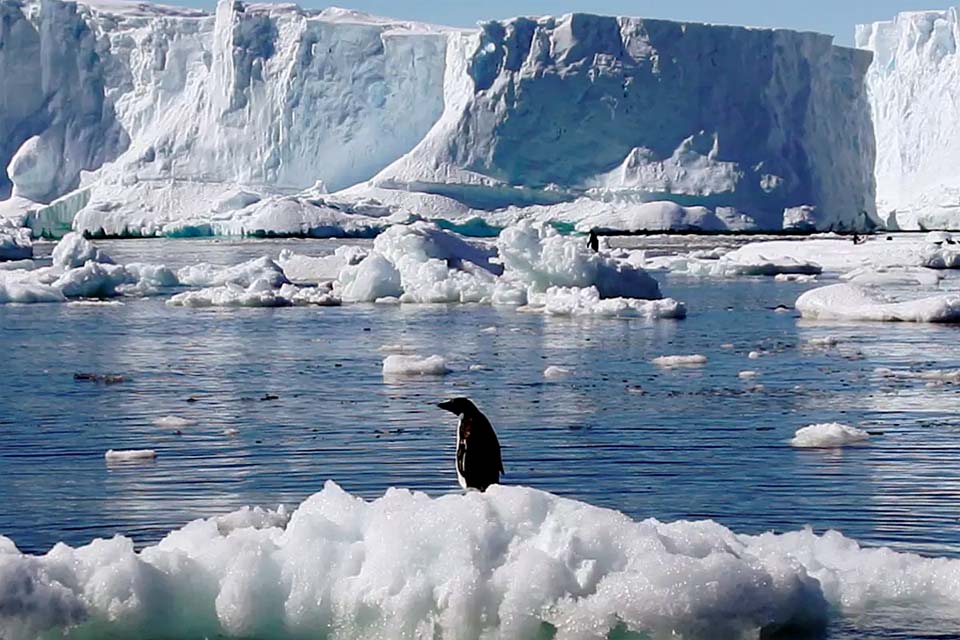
pixel 74 251
pixel 174 422
pixel 820 436
pixel 850 302
pixel 510 563
pixel 934 375
pixel 554 372
pixel 680 361
pixel 412 365
pixel 129 455
pixel 15 242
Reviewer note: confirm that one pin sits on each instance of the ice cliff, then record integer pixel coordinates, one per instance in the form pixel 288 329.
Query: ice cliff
pixel 126 119
pixel 914 88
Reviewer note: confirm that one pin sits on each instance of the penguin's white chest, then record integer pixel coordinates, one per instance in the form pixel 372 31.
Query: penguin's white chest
pixel 460 478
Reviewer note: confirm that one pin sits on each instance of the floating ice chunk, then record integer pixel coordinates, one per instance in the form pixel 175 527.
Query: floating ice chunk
pixel 893 276
pixel 754 355
pixel 855 303
pixel 822 436
pixel 301 268
pixel 748 374
pixel 939 237
pixel 15 242
pixel 680 361
pixel 554 372
pixel 260 293
pixel 129 455
pixel 794 277
pixel 574 301
pixel 22 288
pixel 74 251
pixel 824 342
pixel 941 257
pixel 373 278
pixel 261 269
pixel 488 330
pixel 319 296
pixel 478 367
pixel 92 280
pixel 390 568
pixel 400 365
pixel 934 375
pixel 174 422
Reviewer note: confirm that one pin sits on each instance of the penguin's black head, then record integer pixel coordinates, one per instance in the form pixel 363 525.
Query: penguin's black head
pixel 459 406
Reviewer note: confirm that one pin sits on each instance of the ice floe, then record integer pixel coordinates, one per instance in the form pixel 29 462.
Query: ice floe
pixel 829 435
pixel 15 242
pixel 521 560
pixel 129 455
pixel 413 365
pixel 851 302
pixel 695 360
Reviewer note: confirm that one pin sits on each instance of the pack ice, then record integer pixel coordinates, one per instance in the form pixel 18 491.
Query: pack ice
pixel 137 119
pixel 511 563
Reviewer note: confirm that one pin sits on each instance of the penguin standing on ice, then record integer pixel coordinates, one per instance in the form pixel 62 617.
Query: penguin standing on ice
pixel 478 451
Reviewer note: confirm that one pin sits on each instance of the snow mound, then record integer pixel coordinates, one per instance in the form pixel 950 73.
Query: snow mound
pixel 401 365
pixel 823 436
pixel 855 303
pixel 522 561
pixel 680 361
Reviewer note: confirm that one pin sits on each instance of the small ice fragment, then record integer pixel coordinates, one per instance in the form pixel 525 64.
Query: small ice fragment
pixel 828 341
pixel 231 432
pixel 392 348
pixel 754 355
pixel 130 455
pixel 748 374
pixel 820 436
pixel 728 345
pixel 477 367
pixel 397 365
pixel 174 422
pixel 680 361
pixel 555 373
pixel 488 330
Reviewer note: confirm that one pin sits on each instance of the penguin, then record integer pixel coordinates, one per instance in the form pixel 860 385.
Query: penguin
pixel 478 451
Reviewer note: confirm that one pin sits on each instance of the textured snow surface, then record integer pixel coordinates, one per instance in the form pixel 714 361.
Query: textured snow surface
pixel 134 119
pixel 914 89
pixel 509 563
pixel 857 303
pixel 821 436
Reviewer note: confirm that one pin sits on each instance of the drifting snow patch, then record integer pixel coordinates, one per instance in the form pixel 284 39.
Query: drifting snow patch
pixel 680 361
pixel 399 365
pixel 822 436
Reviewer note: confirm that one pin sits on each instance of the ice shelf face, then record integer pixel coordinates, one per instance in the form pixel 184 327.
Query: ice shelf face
pixel 914 89
pixel 132 119
pixel 603 109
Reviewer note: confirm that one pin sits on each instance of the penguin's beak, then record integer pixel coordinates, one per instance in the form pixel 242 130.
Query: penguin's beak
pixel 447 405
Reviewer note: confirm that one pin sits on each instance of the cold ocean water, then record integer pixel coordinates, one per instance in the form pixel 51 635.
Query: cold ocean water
pixel 277 401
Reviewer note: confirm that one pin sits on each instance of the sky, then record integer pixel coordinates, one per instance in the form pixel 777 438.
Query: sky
pixel 836 17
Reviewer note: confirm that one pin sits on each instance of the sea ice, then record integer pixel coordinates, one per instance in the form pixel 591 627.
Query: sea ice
pixel 521 559
pixel 129 455
pixel 856 303
pixel 680 361
pixel 412 365
pixel 554 372
pixel 822 436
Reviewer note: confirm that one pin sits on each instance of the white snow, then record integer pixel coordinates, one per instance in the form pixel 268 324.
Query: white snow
pixel 680 361
pixel 413 365
pixel 338 565
pixel 129 455
pixel 831 435
pixel 856 303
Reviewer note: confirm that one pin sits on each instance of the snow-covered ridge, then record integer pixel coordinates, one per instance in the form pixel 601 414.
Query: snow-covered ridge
pixel 174 121
pixel 522 563
pixel 914 87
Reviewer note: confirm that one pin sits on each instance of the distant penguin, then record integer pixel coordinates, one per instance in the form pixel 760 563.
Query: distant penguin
pixel 478 451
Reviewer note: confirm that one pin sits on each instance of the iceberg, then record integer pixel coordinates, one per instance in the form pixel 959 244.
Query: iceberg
pixel 134 119
pixel 522 563
pixel 914 92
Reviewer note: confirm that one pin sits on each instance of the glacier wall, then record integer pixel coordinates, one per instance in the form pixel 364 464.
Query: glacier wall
pixel 914 89
pixel 170 120
pixel 602 110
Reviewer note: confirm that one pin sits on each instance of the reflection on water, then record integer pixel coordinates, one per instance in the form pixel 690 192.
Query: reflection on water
pixel 683 443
